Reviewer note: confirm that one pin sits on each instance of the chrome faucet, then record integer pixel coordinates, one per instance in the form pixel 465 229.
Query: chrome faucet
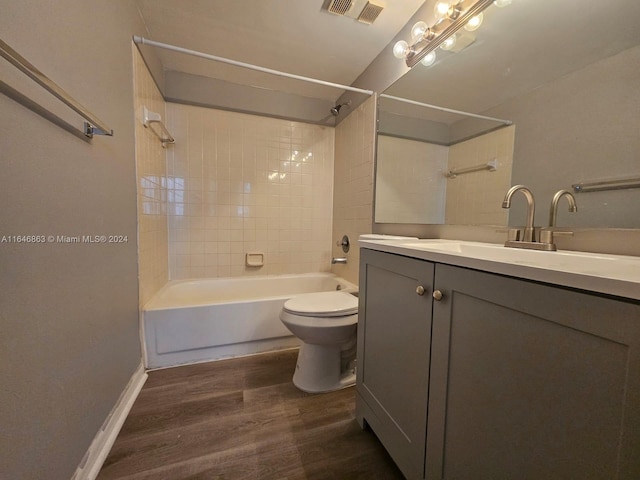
pixel 553 210
pixel 528 240
pixel 506 203
pixel 547 234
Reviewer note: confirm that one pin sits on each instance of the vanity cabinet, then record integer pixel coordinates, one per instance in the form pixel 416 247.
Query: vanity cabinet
pixel 394 339
pixel 524 380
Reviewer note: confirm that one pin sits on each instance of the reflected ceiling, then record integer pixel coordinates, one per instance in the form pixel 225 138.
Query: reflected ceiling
pixel 519 47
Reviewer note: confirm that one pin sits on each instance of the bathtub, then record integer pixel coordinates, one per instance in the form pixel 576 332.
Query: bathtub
pixel 190 321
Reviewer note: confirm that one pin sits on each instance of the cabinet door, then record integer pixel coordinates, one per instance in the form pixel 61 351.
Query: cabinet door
pixel 529 381
pixel 394 334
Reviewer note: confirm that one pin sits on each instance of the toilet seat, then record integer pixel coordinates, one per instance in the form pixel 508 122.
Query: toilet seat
pixel 322 304
pixel 326 325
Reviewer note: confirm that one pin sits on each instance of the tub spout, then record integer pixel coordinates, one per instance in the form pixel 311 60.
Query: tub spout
pixel 335 260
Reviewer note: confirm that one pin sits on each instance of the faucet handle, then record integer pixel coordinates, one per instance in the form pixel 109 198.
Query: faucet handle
pixel 546 236
pixel 563 233
pixel 514 234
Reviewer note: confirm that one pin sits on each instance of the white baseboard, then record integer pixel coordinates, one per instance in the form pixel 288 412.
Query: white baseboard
pixel 103 441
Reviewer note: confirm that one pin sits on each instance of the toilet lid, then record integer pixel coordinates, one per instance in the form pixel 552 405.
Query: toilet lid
pixel 323 304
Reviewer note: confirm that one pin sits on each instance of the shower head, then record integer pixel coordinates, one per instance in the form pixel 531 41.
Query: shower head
pixel 336 110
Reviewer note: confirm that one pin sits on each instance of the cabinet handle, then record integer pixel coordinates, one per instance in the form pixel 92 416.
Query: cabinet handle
pixel 437 295
pixel 420 290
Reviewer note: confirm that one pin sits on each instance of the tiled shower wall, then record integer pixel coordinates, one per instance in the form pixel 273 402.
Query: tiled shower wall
pixel 240 183
pixel 410 181
pixel 353 184
pixel 476 198
pixel 151 177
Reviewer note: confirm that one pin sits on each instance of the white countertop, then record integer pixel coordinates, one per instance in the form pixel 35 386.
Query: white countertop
pixel 617 275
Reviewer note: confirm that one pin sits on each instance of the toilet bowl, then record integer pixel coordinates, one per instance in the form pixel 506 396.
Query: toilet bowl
pixel 325 323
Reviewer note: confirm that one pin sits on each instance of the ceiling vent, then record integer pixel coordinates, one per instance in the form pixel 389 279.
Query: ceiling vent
pixel 340 7
pixel 369 13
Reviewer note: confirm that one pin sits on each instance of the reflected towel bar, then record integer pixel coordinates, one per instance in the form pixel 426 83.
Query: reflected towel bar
pixel 492 166
pixel 151 118
pixel 619 184
pixel 92 126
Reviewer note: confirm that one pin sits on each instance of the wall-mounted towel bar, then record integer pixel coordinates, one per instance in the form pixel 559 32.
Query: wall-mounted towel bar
pixel 492 166
pixel 619 184
pixel 92 126
pixel 151 118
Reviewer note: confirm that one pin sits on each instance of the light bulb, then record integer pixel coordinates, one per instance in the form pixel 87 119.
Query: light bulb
pixel 501 3
pixel 401 49
pixel 429 59
pixel 418 30
pixel 474 23
pixel 441 8
pixel 449 43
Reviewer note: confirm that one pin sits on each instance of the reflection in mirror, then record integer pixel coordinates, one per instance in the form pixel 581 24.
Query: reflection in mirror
pixel 427 174
pixel 572 93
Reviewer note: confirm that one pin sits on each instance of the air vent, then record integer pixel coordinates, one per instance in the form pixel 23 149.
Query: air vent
pixel 340 7
pixel 369 13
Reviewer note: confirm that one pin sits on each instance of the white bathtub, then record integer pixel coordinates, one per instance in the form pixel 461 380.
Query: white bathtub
pixel 191 321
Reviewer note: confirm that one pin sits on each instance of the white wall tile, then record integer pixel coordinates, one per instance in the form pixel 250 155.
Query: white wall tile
pixel 476 198
pixel 151 175
pixel 246 189
pixel 352 186
pixel 411 182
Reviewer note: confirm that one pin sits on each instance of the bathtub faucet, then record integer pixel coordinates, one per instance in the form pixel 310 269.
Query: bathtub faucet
pixel 335 260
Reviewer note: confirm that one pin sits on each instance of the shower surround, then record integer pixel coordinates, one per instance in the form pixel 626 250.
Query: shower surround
pixel 239 183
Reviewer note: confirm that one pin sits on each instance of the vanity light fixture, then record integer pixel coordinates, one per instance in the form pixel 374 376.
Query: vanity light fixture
pixel 401 49
pixel 474 23
pixel 442 7
pixel 452 15
pixel 449 43
pixel 419 30
pixel 429 59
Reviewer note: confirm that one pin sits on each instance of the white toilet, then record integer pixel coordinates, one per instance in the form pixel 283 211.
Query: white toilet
pixel 325 322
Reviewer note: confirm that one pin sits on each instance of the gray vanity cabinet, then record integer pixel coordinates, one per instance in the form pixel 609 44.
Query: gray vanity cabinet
pixel 394 338
pixel 509 379
pixel 530 381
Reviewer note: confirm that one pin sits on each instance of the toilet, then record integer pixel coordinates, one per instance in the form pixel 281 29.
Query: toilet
pixel 325 322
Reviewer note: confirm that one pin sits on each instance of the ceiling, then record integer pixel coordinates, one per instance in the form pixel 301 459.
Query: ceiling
pixel 294 36
pixel 519 48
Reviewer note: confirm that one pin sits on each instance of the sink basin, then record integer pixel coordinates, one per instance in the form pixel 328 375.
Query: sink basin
pixel 605 273
pixel 452 246
pixel 579 262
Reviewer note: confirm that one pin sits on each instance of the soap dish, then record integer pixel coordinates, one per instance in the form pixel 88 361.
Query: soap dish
pixel 254 259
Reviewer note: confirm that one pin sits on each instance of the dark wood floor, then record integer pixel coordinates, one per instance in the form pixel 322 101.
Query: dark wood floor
pixel 243 419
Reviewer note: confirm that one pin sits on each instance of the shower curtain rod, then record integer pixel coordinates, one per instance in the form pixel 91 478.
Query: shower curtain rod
pixel 166 46
pixel 448 110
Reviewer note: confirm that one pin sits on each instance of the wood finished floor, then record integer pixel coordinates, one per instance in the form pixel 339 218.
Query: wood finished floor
pixel 243 419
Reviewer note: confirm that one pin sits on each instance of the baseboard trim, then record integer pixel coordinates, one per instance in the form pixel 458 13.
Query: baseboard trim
pixel 103 441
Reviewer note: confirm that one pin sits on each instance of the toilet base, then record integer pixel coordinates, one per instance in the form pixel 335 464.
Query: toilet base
pixel 318 369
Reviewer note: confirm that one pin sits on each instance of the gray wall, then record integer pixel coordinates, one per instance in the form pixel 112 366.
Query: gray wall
pixel 69 338
pixel 581 127
pixel 191 89
pixel 413 128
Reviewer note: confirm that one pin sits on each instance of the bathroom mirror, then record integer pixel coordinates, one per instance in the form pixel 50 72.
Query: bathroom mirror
pixel 567 74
